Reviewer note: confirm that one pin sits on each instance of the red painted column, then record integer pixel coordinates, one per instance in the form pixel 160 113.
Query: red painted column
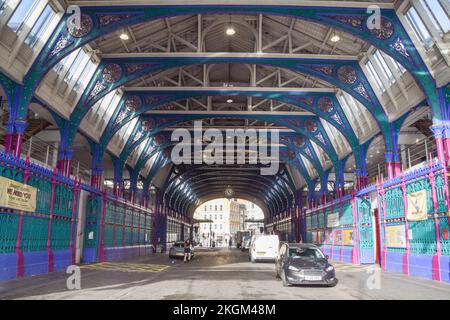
pixel 390 170
pixel 8 142
pixel 440 149
pixel 18 144
pixel 397 168
pixel 436 267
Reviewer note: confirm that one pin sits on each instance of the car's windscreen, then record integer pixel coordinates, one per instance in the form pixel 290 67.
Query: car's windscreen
pixel 306 253
pixel 179 245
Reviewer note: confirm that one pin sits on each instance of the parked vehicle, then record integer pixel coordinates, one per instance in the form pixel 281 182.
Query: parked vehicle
pixel 300 263
pixel 264 248
pixel 246 243
pixel 240 235
pixel 177 250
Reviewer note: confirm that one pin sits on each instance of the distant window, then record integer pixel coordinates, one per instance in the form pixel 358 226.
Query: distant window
pixel 397 65
pixel 437 15
pixel 419 28
pixel 215 208
pixel 2 6
pixel 21 13
pixel 206 208
pixel 40 26
pixel 375 76
pixel 221 207
pixel 383 66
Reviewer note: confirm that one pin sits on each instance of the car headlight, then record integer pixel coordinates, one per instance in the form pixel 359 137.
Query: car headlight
pixel 329 268
pixel 293 268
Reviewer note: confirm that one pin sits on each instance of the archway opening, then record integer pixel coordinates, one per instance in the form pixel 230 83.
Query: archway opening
pixel 227 222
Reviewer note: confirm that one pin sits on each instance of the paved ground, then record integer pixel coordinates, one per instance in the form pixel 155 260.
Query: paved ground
pixel 218 274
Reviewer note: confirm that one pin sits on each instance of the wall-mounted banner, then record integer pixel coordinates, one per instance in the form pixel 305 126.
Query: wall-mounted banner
pixel 395 236
pixel 333 220
pixel 348 237
pixel 417 206
pixel 16 195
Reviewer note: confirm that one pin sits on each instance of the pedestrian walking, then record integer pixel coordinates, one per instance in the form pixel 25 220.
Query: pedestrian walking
pixel 187 250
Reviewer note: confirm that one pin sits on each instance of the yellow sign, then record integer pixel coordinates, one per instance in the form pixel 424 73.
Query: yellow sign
pixel 417 206
pixel 348 237
pixel 16 195
pixel 395 236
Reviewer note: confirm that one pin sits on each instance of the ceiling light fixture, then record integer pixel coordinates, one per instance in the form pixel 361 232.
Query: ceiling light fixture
pixel 124 36
pixel 335 38
pixel 230 101
pixel 230 30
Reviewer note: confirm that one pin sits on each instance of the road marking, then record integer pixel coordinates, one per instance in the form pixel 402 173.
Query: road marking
pixel 125 267
pixel 352 267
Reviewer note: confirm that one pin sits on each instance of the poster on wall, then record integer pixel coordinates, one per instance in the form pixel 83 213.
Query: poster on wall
pixel 319 237
pixel 395 236
pixel 417 206
pixel 348 237
pixel 328 237
pixel 314 237
pixel 338 237
pixel 16 195
pixel 333 220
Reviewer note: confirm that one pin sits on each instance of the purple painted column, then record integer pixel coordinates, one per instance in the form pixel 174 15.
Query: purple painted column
pixel 436 267
pixel 405 209
pixel 50 219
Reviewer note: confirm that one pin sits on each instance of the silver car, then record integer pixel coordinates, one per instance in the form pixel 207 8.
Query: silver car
pixel 177 250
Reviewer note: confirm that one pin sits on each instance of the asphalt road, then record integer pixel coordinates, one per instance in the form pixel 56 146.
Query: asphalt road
pixel 216 274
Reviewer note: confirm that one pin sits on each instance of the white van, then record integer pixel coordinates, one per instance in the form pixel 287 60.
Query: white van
pixel 264 248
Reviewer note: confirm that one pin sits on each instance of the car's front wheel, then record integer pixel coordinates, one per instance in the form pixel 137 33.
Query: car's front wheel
pixel 285 281
pixel 333 284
